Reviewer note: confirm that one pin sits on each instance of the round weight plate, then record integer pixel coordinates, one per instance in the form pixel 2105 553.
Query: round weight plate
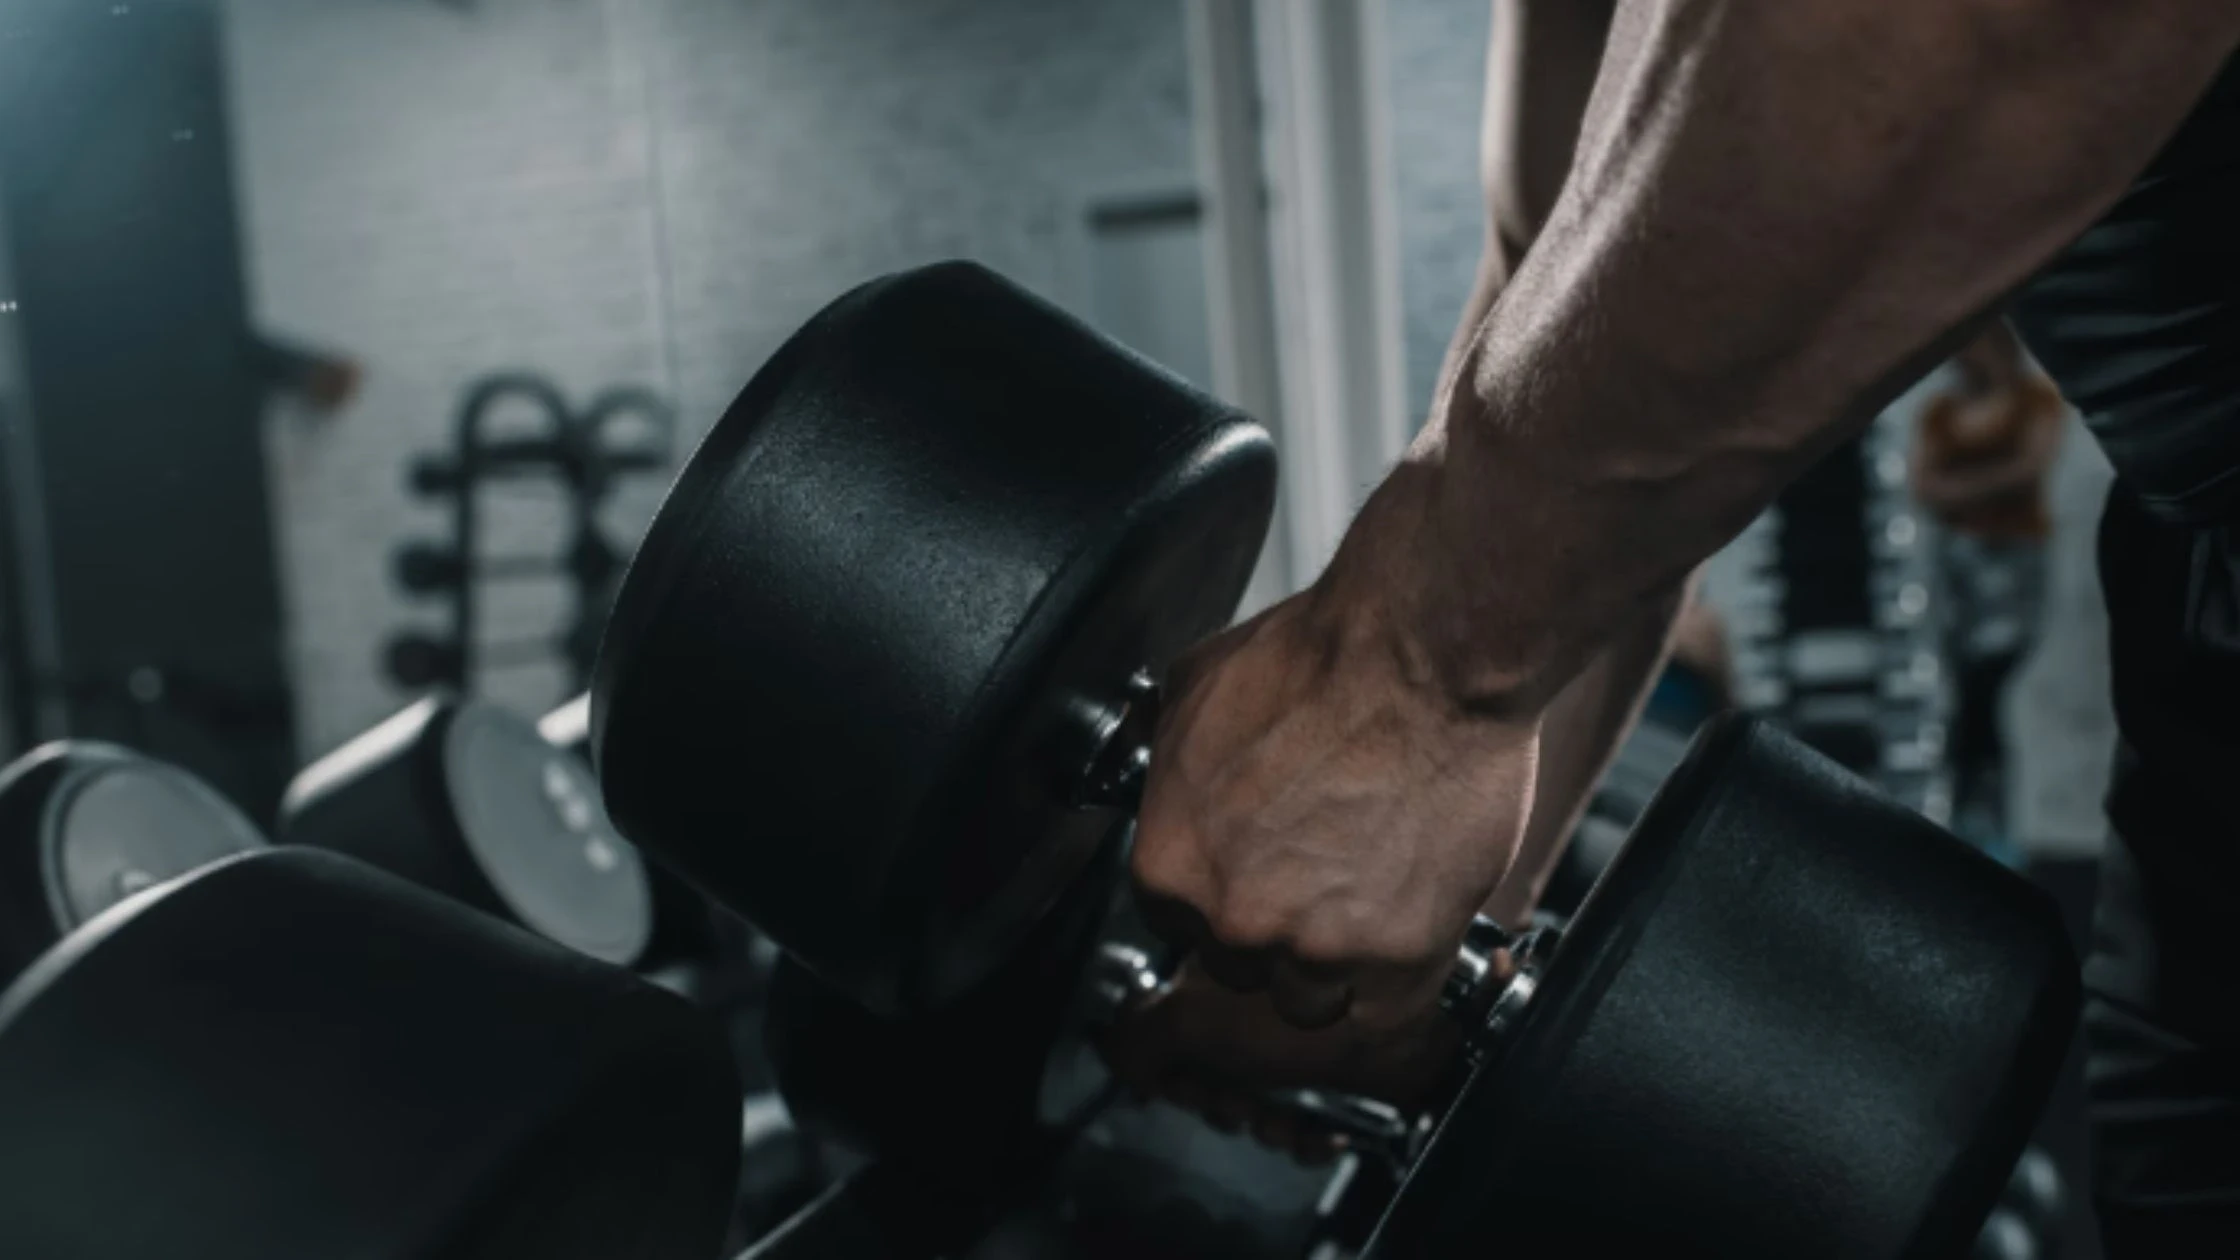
pixel 530 814
pixel 292 1054
pixel 845 684
pixel 85 825
pixel 467 798
pixel 1792 1019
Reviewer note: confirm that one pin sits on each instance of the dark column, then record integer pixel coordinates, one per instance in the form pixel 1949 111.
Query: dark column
pixel 142 567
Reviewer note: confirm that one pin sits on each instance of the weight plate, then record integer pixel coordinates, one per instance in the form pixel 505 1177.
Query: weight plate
pixel 845 682
pixel 292 1054
pixel 531 815
pixel 467 798
pixel 83 825
pixel 687 927
pixel 1793 1019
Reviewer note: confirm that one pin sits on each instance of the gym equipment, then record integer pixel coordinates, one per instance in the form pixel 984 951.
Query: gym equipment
pixel 465 797
pixel 703 952
pixel 84 825
pixel 289 1053
pixel 687 928
pixel 881 678
pixel 1838 635
pixel 623 432
pixel 941 526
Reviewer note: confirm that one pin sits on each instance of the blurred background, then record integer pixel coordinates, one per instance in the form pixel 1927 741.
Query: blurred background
pixel 347 345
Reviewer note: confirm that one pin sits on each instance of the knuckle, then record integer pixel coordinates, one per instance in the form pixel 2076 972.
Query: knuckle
pixel 1166 871
pixel 1362 941
pixel 1249 923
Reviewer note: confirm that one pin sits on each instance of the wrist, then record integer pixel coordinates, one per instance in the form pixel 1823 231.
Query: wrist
pixel 1407 586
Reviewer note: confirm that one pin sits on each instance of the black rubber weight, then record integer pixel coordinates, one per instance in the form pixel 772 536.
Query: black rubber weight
pixel 469 799
pixel 942 519
pixel 290 1054
pixel 84 824
pixel 1793 1019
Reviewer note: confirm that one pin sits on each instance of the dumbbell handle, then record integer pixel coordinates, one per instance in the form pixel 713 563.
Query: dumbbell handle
pixel 1115 759
pixel 1123 977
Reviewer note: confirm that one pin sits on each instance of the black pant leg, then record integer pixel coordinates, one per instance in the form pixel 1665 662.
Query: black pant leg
pixel 2162 1017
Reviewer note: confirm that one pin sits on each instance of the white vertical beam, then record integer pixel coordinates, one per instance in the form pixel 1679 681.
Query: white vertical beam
pixel 1240 292
pixel 1336 273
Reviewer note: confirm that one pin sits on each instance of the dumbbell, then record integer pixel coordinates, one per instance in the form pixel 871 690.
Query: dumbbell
pixel 688 928
pixel 289 1053
pixel 85 824
pixel 465 797
pixel 2032 1209
pixel 879 679
pixel 704 952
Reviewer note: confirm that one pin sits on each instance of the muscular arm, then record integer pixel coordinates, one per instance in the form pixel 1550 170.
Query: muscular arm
pixel 1540 69
pixel 1779 213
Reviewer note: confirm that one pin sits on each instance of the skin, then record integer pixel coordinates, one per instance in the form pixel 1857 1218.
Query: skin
pixel 1980 462
pixel 1777 215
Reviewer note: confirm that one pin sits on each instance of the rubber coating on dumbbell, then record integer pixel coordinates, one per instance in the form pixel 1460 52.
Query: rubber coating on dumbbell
pixel 853 655
pixel 291 1054
pixel 1793 1018
pixel 84 825
pixel 467 798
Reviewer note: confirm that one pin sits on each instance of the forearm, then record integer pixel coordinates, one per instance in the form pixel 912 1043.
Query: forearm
pixel 1541 62
pixel 1779 213
pixel 1579 735
pixel 1542 57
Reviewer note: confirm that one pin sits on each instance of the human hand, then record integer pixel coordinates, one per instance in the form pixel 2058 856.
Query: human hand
pixel 1319 826
pixel 1983 452
pixel 1225 1055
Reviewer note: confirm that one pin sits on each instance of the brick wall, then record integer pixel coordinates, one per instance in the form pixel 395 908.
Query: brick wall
pixel 630 191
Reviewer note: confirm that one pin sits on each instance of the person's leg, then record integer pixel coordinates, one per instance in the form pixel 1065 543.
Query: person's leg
pixel 2162 1019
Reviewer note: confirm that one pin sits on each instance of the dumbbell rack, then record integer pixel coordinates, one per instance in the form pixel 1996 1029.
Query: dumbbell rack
pixel 1838 634
pixel 578 449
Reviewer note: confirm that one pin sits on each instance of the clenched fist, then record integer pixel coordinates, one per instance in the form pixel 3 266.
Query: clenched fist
pixel 1320 824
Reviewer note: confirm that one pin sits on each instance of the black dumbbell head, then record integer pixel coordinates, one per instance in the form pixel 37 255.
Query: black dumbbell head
pixel 84 825
pixel 955 1090
pixel 416 660
pixel 467 798
pixel 1793 1018
pixel 292 1054
pixel 687 927
pixel 848 680
pixel 426 568
pixel 433 476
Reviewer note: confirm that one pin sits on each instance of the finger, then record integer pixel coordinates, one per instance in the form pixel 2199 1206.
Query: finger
pixel 1228 1110
pixel 1396 996
pixel 1277 1128
pixel 1309 995
pixel 1239 970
